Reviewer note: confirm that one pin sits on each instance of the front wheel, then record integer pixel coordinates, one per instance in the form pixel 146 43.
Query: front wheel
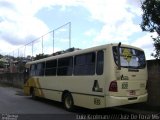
pixel 32 93
pixel 68 102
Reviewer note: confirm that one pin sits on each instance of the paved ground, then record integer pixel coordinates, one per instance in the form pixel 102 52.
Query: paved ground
pixel 15 106
pixel 12 100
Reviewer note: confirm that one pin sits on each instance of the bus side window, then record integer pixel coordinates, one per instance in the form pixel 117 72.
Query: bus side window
pixel 65 66
pixel 84 64
pixel 100 62
pixel 51 68
pixel 33 70
pixel 40 69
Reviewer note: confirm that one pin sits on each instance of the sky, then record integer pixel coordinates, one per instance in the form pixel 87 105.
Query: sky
pixel 87 23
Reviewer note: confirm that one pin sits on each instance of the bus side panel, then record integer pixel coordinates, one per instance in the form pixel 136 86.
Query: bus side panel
pixel 26 90
pixel 81 88
pixel 87 101
pixel 30 83
pixel 52 95
pixel 42 89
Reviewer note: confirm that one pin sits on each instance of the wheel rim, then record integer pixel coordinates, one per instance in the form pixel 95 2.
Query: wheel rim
pixel 68 102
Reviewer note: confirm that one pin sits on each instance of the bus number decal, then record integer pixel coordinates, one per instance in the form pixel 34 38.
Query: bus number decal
pixel 125 85
pixel 97 101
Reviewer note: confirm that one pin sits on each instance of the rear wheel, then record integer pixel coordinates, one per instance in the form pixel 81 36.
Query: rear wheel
pixel 68 102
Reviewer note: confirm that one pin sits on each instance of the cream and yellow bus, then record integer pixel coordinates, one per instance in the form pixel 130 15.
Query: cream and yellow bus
pixel 98 77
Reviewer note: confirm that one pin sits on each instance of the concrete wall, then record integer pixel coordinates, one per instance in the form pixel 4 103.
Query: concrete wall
pixel 153 85
pixel 13 79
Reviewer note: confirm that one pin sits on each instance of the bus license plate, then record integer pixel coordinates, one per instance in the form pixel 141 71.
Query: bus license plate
pixel 132 92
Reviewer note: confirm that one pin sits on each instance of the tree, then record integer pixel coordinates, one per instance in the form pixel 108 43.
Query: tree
pixel 40 56
pixel 151 22
pixel 2 64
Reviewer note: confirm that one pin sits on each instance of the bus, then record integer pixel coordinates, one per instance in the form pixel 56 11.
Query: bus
pixel 98 77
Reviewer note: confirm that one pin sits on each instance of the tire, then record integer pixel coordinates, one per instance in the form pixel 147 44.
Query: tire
pixel 32 93
pixel 68 102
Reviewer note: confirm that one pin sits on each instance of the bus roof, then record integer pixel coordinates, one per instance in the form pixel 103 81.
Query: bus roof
pixel 76 52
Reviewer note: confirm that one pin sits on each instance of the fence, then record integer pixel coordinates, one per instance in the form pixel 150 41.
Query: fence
pixel 55 40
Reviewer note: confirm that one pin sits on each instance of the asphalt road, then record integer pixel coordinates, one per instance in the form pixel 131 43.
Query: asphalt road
pixel 15 106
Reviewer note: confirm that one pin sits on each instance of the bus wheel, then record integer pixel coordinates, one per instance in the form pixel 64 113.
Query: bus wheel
pixel 32 93
pixel 68 102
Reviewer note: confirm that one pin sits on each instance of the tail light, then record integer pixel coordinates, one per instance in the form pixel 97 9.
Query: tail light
pixel 113 86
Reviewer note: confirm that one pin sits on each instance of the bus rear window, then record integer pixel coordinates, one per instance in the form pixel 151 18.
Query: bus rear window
pixel 130 57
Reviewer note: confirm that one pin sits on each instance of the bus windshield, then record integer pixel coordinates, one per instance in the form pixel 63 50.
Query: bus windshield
pixel 129 57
